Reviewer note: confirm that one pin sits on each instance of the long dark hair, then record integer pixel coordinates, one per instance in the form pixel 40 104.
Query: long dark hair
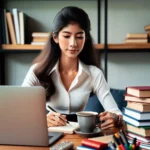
pixel 51 53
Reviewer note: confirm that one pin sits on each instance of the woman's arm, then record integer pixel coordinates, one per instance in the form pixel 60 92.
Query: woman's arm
pixel 112 115
pixel 31 79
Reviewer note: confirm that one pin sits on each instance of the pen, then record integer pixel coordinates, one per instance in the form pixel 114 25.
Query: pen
pixel 124 138
pixel 138 146
pixel 120 142
pixel 133 143
pixel 111 146
pixel 117 143
pixel 56 112
pixel 123 141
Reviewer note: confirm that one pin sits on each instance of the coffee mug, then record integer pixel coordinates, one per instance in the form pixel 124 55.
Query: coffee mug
pixel 87 121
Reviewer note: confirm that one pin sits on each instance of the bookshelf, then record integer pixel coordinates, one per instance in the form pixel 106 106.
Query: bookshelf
pixel 104 49
pixel 99 47
pixel 27 6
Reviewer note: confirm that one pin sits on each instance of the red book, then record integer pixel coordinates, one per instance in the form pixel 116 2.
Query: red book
pixel 138 91
pixel 94 144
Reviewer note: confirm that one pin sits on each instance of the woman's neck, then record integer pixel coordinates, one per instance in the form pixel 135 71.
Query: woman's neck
pixel 68 65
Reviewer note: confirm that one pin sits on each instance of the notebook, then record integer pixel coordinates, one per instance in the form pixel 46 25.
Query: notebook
pixel 23 117
pixel 69 128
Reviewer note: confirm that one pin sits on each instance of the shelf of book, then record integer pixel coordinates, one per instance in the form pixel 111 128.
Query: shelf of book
pixel 119 47
pixel 29 47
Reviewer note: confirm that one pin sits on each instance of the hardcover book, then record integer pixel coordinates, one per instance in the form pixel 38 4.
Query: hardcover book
pixel 143 139
pixel 81 147
pixel 143 131
pixel 136 114
pixel 139 91
pixel 137 99
pixel 136 41
pixel 23 27
pixel 4 27
pixel 11 28
pixel 147 144
pixel 137 123
pixel 94 144
pixel 40 39
pixel 142 107
pixel 16 24
pixel 41 34
pixel 136 36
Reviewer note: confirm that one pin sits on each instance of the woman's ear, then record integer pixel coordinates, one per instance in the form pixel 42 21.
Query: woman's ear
pixel 55 37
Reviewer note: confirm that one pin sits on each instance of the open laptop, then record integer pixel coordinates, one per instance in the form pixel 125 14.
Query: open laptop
pixel 23 117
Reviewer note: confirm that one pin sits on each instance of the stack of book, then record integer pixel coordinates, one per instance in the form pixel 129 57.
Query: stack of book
pixel 137 114
pixel 13 25
pixel 147 29
pixel 136 38
pixel 40 38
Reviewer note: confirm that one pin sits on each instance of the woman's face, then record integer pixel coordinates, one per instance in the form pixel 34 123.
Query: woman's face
pixel 71 40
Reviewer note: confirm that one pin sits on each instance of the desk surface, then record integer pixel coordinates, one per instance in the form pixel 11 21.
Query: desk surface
pixel 76 139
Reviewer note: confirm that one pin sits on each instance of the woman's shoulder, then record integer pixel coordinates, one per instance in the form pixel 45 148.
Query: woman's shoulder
pixel 33 67
pixel 94 70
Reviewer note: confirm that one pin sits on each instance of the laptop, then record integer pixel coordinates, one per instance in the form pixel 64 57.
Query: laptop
pixel 23 117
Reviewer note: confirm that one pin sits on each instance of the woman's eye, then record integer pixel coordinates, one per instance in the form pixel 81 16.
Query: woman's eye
pixel 80 37
pixel 65 36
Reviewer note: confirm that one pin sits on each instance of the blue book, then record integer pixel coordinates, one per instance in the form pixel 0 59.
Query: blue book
pixel 136 114
pixel 81 147
pixel 135 122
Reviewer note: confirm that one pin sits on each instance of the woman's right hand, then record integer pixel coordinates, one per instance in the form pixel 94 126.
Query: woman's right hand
pixel 55 119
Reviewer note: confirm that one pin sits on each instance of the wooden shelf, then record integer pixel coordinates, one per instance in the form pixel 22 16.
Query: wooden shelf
pixel 125 47
pixel 34 47
pixel 111 47
pixel 129 46
pixel 21 47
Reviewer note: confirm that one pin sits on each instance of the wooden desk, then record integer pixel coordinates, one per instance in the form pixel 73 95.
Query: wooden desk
pixel 76 139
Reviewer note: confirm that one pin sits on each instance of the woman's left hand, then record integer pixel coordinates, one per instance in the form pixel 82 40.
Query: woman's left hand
pixel 109 120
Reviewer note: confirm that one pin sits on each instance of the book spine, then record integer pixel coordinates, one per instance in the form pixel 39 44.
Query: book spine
pixel 16 23
pixel 11 27
pixel 81 147
pixel 3 33
pixel 6 28
pixel 93 144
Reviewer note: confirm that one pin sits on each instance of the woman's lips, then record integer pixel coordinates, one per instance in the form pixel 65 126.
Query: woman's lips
pixel 72 51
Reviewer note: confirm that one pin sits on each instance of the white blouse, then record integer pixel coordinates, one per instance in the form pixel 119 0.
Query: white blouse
pixel 89 78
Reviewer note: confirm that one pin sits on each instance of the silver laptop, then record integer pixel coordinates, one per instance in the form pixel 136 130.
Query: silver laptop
pixel 23 116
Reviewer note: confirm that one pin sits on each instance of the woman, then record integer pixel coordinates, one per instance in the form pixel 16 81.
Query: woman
pixel 66 68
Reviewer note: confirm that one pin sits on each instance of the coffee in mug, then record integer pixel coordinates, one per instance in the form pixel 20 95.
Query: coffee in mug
pixel 87 121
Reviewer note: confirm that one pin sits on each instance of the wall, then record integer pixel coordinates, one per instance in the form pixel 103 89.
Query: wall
pixel 124 17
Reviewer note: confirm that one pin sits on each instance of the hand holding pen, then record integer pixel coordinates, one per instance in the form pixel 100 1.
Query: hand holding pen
pixel 55 119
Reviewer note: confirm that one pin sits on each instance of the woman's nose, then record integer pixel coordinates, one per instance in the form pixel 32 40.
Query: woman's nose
pixel 73 42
